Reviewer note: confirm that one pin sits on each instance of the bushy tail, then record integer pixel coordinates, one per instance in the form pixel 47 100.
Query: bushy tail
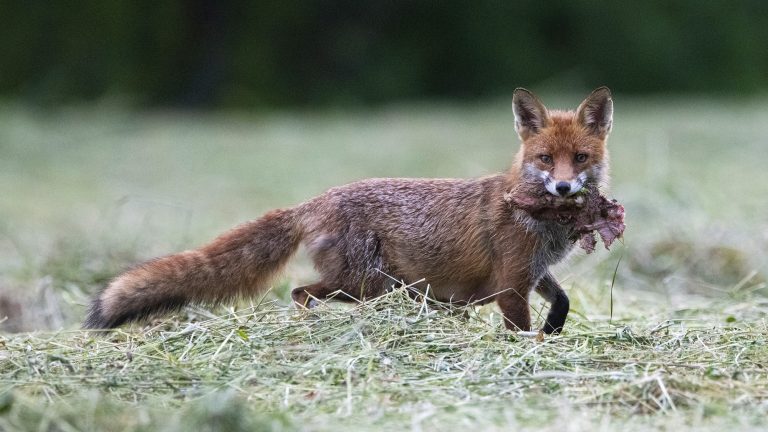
pixel 239 263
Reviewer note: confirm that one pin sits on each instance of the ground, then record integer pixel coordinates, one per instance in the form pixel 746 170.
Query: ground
pixel 668 331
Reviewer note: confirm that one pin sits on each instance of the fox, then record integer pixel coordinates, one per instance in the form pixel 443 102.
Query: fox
pixel 460 238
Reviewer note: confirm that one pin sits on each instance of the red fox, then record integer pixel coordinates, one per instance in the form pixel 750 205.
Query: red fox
pixel 459 235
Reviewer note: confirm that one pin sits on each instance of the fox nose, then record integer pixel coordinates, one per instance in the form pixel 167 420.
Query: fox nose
pixel 563 188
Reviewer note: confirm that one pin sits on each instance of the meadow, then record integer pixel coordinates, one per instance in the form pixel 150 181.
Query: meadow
pixel 668 330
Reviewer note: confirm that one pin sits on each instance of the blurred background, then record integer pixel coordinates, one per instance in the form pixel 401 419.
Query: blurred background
pixel 224 54
pixel 130 129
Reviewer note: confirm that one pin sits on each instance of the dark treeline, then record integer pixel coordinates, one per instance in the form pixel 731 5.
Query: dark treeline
pixel 217 53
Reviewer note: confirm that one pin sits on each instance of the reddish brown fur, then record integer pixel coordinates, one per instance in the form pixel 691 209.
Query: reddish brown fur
pixel 459 235
pixel 563 138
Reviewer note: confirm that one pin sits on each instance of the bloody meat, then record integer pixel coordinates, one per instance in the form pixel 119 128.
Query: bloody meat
pixel 587 213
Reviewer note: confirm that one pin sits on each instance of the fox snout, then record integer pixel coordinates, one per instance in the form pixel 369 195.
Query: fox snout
pixel 564 188
pixel 557 187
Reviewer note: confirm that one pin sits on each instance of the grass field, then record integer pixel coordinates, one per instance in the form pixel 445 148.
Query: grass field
pixel 668 331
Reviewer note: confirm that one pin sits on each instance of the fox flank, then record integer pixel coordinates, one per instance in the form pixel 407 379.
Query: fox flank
pixel 463 237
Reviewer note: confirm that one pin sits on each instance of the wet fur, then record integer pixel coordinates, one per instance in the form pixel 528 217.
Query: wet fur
pixel 460 235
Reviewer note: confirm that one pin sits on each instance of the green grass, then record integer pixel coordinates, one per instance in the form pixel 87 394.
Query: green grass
pixel 675 338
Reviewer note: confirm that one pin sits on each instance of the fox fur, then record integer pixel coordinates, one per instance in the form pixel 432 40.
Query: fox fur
pixel 459 235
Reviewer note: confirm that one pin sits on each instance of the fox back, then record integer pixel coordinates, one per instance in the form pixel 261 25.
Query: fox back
pixel 460 237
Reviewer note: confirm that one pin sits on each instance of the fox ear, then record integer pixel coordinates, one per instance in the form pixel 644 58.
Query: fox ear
pixel 596 112
pixel 530 114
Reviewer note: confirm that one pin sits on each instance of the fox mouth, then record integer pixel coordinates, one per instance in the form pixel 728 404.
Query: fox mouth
pixel 565 188
pixel 549 185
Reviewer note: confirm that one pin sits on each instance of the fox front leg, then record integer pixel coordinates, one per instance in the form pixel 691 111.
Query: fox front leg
pixel 558 311
pixel 515 309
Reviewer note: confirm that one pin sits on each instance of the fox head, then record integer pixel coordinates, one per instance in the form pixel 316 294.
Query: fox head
pixel 563 150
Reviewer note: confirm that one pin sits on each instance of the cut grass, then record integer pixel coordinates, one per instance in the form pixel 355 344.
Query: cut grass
pixel 388 363
pixel 673 338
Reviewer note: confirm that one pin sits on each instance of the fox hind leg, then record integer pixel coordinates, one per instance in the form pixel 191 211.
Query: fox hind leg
pixel 351 267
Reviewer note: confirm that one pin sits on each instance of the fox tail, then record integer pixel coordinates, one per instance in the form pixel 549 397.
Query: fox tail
pixel 239 263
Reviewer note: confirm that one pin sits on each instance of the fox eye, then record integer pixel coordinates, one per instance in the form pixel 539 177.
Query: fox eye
pixel 547 159
pixel 581 157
